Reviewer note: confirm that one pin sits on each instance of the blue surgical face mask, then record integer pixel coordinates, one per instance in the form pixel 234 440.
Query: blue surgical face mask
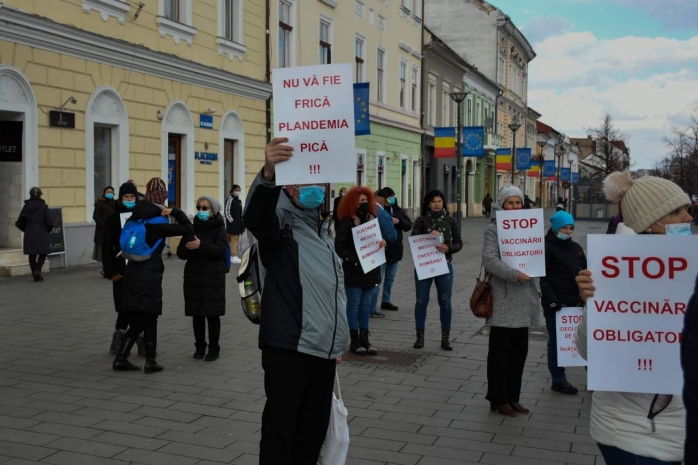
pixel 391 201
pixel 203 215
pixel 681 229
pixel 563 236
pixel 109 196
pixel 311 196
pixel 129 203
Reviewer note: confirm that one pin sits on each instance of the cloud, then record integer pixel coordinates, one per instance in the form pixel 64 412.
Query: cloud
pixel 542 27
pixel 679 14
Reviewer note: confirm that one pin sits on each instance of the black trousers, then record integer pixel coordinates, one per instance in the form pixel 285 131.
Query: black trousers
pixel 34 264
pixel 121 317
pixel 142 323
pixel 297 413
pixel 214 330
pixel 507 354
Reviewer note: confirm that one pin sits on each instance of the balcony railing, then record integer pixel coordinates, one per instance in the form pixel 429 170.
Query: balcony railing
pixel 493 141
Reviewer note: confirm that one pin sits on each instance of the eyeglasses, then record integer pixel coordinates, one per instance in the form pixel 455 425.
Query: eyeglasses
pixel 203 207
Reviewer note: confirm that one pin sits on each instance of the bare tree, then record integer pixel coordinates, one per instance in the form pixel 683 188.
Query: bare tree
pixel 611 152
pixel 682 159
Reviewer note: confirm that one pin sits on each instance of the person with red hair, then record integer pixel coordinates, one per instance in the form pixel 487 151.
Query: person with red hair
pixel 357 207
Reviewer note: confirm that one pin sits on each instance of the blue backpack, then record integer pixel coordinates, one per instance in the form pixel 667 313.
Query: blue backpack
pixel 132 240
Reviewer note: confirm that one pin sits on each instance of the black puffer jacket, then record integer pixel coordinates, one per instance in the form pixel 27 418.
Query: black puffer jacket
pixel 395 250
pixel 37 239
pixel 422 226
pixel 103 210
pixel 112 261
pixel 354 275
pixel 204 273
pixel 689 363
pixel 563 262
pixel 143 280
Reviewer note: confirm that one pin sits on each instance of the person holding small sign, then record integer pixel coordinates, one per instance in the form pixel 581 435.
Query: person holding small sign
pixel 515 308
pixel 634 427
pixel 436 220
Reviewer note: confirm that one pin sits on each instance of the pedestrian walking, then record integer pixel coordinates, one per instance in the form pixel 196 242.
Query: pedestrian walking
pixel 630 427
pixel 528 203
pixel 436 220
pixel 104 208
pixel 395 249
pixel 564 259
pixel 233 216
pixel 204 276
pixel 142 286
pixel 357 207
pixel 689 355
pixel 302 332
pixel 487 205
pixel 36 221
pixel 515 308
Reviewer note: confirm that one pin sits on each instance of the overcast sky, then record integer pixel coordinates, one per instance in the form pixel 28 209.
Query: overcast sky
pixel 636 59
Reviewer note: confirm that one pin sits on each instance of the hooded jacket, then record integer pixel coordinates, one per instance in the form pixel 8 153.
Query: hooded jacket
pixel 303 298
pixel 689 356
pixel 395 250
pixel 37 233
pixel 563 262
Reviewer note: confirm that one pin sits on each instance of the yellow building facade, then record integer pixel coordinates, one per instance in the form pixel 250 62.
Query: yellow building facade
pixel 172 88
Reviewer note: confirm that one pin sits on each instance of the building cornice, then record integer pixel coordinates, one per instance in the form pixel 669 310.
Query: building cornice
pixel 519 39
pixel 42 33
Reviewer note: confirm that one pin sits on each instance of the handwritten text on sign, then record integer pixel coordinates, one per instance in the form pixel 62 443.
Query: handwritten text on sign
pixel 521 240
pixel 635 319
pixel 567 321
pixel 428 262
pixel 367 239
pixel 314 109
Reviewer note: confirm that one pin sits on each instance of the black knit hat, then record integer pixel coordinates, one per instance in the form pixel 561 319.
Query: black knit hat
pixel 388 192
pixel 128 188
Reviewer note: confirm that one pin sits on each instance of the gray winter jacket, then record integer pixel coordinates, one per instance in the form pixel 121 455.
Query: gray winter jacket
pixel 304 302
pixel 514 305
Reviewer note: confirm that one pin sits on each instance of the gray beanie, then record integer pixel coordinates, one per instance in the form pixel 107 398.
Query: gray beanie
pixel 509 191
pixel 215 205
pixel 643 201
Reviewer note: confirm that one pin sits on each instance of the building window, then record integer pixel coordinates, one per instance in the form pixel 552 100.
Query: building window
pixel 403 85
pixel 325 42
pixel 173 10
pixel 359 58
pixel 415 89
pixel 102 159
pixel 417 9
pixel 500 69
pixel 380 75
pixel 230 29
pixel 444 107
pixel 105 9
pixel 470 112
pixel 285 34
pixel 431 102
pixel 478 115
pixel 175 19
pixel 230 20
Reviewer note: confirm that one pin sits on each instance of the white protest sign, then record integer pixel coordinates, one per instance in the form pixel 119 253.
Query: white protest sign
pixel 314 109
pixel 521 240
pixel 566 322
pixel 634 321
pixel 367 240
pixel 428 262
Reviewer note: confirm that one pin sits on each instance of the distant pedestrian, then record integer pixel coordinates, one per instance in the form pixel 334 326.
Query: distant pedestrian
pixel 104 208
pixel 204 276
pixel 387 227
pixel 528 202
pixel 487 205
pixel 342 193
pixel 436 220
pixel 395 250
pixel 37 222
pixel 233 216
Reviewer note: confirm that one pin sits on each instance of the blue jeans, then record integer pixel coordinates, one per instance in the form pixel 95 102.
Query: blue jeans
pixel 557 373
pixel 444 285
pixel 359 305
pixel 615 456
pixel 388 272
pixel 374 300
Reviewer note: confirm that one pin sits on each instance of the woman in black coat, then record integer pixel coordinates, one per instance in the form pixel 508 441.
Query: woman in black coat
pixel 204 276
pixel 104 208
pixel 36 221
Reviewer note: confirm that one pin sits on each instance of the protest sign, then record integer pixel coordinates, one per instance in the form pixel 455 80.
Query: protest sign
pixel 428 262
pixel 314 109
pixel 521 240
pixel 566 322
pixel 367 240
pixel 635 319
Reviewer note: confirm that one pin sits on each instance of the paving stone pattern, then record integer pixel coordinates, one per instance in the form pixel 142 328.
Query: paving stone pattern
pixel 60 402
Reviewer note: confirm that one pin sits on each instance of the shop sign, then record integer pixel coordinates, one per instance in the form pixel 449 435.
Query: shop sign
pixel 61 119
pixel 11 134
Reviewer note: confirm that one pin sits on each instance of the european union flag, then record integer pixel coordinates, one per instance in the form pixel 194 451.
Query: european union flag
pixel 362 122
pixel 565 174
pixel 549 168
pixel 474 141
pixel 575 178
pixel 523 159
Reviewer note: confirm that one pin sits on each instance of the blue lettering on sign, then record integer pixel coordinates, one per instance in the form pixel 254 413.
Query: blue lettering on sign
pixel 206 121
pixel 205 158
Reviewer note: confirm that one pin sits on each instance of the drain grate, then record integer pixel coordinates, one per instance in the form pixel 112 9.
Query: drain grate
pixel 399 361
pixel 535 333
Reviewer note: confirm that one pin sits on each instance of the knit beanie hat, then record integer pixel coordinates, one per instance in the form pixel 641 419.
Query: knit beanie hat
pixel 645 200
pixel 215 204
pixel 127 188
pixel 509 191
pixel 388 192
pixel 156 191
pixel 560 220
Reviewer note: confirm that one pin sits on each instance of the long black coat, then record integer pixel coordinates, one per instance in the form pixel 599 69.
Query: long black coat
pixel 37 239
pixel 103 210
pixel 112 262
pixel 563 262
pixel 395 250
pixel 354 275
pixel 689 362
pixel 233 216
pixel 142 292
pixel 204 273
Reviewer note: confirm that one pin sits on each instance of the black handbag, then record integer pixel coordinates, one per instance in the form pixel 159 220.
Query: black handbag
pixel 21 222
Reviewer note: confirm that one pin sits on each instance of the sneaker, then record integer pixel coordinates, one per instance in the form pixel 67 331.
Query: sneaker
pixel 388 306
pixel 236 260
pixel 564 388
pixel 378 315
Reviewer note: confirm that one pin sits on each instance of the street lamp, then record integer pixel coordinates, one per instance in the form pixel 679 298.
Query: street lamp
pixel 458 97
pixel 569 201
pixel 514 126
pixel 541 159
pixel 559 151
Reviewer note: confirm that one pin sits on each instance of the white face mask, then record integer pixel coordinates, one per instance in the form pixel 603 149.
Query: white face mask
pixel 680 229
pixel 236 194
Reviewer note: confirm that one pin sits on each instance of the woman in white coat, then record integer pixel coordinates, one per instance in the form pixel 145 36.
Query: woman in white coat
pixel 642 429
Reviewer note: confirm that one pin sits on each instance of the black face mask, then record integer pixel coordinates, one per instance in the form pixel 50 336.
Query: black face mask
pixel 363 208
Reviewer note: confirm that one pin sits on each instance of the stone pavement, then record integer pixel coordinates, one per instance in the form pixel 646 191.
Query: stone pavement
pixel 60 402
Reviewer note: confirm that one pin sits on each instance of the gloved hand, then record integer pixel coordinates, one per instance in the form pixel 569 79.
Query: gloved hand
pixel 556 307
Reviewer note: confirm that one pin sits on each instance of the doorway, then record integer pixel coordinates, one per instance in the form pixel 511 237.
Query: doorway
pixel 12 136
pixel 174 170
pixel 228 165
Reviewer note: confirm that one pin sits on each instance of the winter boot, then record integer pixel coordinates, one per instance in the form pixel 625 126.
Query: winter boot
pixel 151 366
pixel 419 343
pixel 37 276
pixel 356 345
pixel 140 343
pixel 200 350
pixel 445 343
pixel 121 362
pixel 116 341
pixel 213 352
pixel 370 350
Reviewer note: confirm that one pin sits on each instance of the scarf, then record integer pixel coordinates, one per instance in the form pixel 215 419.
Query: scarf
pixel 437 221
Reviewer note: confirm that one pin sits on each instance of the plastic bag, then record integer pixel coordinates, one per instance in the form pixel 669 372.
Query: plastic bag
pixel 336 446
pixel 246 241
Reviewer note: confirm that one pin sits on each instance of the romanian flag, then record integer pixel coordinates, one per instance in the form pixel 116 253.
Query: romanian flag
pixel 503 162
pixel 534 171
pixel 445 142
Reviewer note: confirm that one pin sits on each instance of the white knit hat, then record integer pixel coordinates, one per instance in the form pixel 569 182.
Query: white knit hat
pixel 509 191
pixel 643 201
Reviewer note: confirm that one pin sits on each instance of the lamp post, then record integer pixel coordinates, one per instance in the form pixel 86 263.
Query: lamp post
pixel 514 126
pixel 559 151
pixel 541 159
pixel 569 200
pixel 458 97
